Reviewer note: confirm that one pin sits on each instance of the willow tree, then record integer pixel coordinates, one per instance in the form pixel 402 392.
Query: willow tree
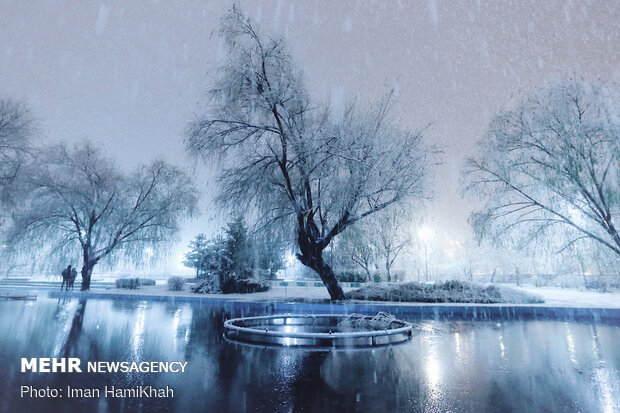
pixel 80 200
pixel 550 167
pixel 293 159
pixel 16 130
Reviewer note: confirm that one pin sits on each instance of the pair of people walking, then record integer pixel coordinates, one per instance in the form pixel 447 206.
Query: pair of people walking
pixel 68 277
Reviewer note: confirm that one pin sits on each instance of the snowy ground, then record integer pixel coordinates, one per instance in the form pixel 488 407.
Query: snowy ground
pixel 559 297
pixel 554 297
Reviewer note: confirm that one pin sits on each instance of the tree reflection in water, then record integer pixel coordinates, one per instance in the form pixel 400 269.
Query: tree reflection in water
pixel 75 331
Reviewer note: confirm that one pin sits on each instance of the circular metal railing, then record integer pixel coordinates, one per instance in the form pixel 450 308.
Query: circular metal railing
pixel 319 330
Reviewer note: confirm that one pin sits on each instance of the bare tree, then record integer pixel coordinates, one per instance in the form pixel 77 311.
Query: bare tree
pixel 79 198
pixel 295 160
pixel 552 163
pixel 355 244
pixel 392 236
pixel 16 129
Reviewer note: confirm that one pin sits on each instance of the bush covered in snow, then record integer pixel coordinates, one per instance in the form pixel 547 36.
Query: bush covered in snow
pixel 133 283
pixel 231 286
pixel 205 286
pixel 602 283
pixel 176 283
pixel 129 283
pixel 244 286
pixel 446 292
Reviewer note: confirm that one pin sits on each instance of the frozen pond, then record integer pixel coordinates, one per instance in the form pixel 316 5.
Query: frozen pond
pixel 498 364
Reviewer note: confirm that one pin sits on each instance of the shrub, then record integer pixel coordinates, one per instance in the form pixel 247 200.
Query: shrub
pixel 205 286
pixel 128 283
pixel 231 285
pixel 147 282
pixel 176 283
pixel 447 292
pixel 351 277
pixel 244 286
pixel 596 283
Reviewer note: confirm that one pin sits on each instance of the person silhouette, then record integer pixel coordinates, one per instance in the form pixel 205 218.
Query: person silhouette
pixel 73 277
pixel 66 278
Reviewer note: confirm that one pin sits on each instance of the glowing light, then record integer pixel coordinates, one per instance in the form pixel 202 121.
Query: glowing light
pixel 425 233
pixel 149 251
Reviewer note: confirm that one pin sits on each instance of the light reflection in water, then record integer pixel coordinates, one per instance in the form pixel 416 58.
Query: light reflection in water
pixel 432 370
pixel 287 340
pixel 502 347
pixel 570 342
pixel 607 385
pixel 138 331
pixel 175 326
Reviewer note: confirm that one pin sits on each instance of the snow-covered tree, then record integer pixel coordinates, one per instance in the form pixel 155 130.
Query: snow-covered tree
pixel 356 246
pixel 238 257
pixel 392 235
pixel 79 199
pixel 270 249
pixel 551 166
pixel 16 130
pixel 198 257
pixel 294 159
pixel 229 258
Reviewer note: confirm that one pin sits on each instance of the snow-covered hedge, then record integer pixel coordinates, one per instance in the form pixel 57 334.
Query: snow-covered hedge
pixel 133 283
pixel 176 283
pixel 446 292
pixel 129 283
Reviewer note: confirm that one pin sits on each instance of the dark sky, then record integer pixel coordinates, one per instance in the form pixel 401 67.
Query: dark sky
pixel 130 74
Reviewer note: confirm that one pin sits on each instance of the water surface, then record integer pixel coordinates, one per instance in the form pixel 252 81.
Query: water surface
pixel 454 365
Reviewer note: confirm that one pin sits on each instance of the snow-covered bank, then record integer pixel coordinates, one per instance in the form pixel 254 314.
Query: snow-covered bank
pixel 552 297
pixel 559 297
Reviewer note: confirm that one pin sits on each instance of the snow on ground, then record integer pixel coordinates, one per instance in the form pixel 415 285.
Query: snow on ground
pixel 554 297
pixel 558 297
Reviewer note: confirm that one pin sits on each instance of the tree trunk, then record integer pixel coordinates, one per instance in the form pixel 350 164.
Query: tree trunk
pixel 368 273
pixel 387 267
pixel 329 279
pixel 87 271
pixel 87 268
pixel 311 255
pixel 313 258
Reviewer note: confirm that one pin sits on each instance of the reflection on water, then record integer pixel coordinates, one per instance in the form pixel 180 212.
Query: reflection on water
pixel 537 365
